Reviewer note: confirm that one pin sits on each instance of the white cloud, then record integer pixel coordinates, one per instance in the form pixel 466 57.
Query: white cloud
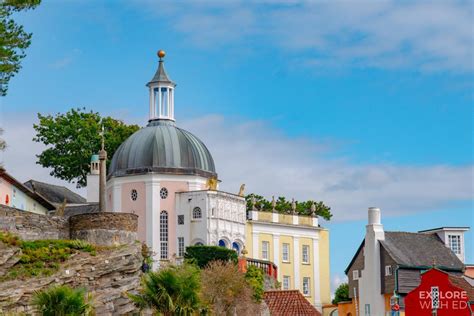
pixel 271 163
pixel 427 36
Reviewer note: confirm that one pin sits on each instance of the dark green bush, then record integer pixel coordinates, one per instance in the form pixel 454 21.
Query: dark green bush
pixel 203 255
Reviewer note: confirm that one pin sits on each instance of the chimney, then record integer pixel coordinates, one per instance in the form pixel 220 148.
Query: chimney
pixel 374 216
pixel 370 296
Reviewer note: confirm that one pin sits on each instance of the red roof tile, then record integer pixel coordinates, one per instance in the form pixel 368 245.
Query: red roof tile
pixel 460 282
pixel 289 302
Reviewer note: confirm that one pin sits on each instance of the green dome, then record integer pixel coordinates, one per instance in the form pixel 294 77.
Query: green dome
pixel 161 147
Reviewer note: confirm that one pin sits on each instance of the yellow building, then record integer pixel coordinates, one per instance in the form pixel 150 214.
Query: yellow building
pixel 298 246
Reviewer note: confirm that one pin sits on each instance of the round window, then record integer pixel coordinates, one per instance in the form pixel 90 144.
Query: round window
pixel 164 193
pixel 134 195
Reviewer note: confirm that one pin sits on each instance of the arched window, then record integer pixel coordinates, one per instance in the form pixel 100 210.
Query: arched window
pixel 199 244
pixel 222 243
pixel 197 214
pixel 236 247
pixel 164 235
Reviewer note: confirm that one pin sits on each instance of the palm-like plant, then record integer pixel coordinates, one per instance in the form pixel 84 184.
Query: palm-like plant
pixel 173 290
pixel 62 301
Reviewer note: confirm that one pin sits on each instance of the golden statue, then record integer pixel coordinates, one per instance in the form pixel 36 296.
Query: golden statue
pixel 242 190
pixel 212 184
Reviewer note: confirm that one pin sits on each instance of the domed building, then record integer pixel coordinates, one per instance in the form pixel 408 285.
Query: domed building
pixel 167 176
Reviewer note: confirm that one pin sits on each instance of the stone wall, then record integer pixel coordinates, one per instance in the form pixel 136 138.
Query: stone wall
pixel 106 276
pixel 106 229
pixel 32 226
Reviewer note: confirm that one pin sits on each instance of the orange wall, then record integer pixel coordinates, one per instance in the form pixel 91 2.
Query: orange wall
pixel 346 309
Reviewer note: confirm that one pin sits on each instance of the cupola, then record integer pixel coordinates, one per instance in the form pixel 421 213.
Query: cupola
pixel 161 93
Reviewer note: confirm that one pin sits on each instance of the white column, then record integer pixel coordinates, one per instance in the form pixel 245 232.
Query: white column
pixel 275 217
pixel 117 199
pixel 316 276
pixel 295 220
pixel 152 105
pixel 153 219
pixel 276 253
pixel 255 246
pixel 296 262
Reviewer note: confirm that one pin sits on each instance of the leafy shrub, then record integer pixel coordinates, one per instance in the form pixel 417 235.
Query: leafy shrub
pixel 203 255
pixel 254 277
pixel 341 294
pixel 62 301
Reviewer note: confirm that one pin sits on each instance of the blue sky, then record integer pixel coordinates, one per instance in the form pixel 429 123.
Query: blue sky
pixel 358 105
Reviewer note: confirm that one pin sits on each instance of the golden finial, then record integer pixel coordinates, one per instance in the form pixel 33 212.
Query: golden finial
pixel 161 53
pixel 244 251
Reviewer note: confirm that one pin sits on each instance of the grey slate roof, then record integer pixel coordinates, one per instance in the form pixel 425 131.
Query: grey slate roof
pixel 416 249
pixel 161 75
pixel 162 147
pixel 81 209
pixel 55 193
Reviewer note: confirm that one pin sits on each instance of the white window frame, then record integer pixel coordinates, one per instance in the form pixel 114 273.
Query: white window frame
pixel 164 235
pixel 388 270
pixel 307 284
pixel 285 252
pixel 451 238
pixel 287 280
pixel 197 213
pixel 265 250
pixel 355 275
pixel 180 247
pixel 305 254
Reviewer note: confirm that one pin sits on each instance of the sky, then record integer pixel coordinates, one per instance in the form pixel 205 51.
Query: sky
pixel 356 104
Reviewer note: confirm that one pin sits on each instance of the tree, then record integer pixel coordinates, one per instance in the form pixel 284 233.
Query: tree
pixel 341 294
pixel 173 290
pixel 13 39
pixel 284 206
pixel 225 290
pixel 73 137
pixel 62 301
pixel 203 255
pixel 254 277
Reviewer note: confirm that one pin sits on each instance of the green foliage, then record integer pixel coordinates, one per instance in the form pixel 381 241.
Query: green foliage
pixel 203 255
pixel 284 206
pixel 173 290
pixel 254 277
pixel 73 137
pixel 41 257
pixel 13 40
pixel 341 294
pixel 62 301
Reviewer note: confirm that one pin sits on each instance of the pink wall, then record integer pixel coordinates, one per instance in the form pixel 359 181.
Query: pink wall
pixel 136 207
pixel 5 189
pixel 169 205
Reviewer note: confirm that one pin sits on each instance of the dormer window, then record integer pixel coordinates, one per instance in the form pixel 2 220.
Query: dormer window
pixel 455 243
